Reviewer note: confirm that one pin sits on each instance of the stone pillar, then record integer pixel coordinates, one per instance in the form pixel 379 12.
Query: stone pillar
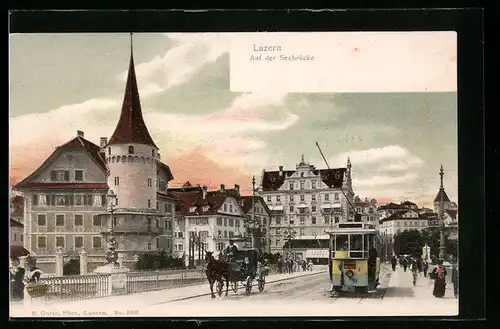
pixel 121 257
pixel 83 262
pixel 23 261
pixel 59 262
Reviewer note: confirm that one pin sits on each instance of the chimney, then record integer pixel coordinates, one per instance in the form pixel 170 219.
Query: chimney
pixel 79 133
pixel 104 141
pixel 222 187
pixel 281 170
pixel 204 189
pixel 237 188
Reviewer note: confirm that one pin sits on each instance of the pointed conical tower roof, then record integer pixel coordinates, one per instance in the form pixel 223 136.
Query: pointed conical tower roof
pixel 131 127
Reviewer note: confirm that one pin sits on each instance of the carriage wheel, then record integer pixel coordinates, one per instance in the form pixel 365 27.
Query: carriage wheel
pixel 262 283
pixel 220 287
pixel 248 287
pixel 234 286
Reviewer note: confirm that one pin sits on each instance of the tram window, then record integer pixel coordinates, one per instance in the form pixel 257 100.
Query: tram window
pixel 356 242
pixel 341 242
pixel 367 243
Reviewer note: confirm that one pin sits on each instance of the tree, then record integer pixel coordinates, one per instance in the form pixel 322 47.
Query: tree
pixel 373 202
pixel 357 198
pixel 157 261
pixel 408 243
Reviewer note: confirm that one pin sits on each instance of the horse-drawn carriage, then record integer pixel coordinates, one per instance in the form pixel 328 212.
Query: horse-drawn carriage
pixel 244 269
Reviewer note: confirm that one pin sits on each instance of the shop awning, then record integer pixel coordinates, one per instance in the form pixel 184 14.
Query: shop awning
pixel 317 253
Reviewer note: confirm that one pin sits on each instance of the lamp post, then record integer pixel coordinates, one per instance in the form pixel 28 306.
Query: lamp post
pixel 290 237
pixel 442 242
pixel 252 227
pixel 112 254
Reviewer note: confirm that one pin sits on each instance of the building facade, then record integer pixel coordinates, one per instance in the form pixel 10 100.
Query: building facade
pixel 66 198
pixel 305 201
pixel 16 233
pixel 205 221
pixel 368 211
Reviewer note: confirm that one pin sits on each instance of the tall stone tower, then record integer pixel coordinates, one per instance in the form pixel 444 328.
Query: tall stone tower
pixel 132 157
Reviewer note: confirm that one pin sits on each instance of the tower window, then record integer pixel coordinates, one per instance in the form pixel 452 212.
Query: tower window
pixel 153 153
pixel 117 181
pixel 149 203
pixel 131 149
pixel 109 150
pixel 150 182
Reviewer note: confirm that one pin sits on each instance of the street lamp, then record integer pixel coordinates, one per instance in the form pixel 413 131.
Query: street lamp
pixel 252 227
pixel 442 242
pixel 112 254
pixel 290 237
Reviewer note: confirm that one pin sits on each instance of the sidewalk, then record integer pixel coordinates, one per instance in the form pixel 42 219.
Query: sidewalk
pixel 142 300
pixel 401 286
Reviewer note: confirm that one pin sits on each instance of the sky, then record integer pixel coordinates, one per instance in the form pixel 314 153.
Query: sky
pixel 210 135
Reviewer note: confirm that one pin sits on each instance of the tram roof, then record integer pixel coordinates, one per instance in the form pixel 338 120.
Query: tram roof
pixel 355 228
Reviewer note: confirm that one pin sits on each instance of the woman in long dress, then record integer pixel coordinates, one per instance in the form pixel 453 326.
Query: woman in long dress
pixel 439 276
pixel 16 280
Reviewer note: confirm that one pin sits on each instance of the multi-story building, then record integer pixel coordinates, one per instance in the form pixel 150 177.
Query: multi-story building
pixel 368 211
pixel 213 216
pixel 306 201
pixel 66 198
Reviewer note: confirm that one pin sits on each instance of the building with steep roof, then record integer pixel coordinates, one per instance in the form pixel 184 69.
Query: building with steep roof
pixel 66 202
pixel 306 201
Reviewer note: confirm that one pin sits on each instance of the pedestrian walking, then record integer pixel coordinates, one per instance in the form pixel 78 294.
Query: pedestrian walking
pixel 17 274
pixel 404 262
pixel 426 268
pixel 438 274
pixel 393 263
pixel 414 270
pixel 454 278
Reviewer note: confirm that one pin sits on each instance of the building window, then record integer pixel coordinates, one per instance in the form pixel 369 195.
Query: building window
pixel 231 234
pixel 60 220
pixel 109 150
pixel 131 149
pixel 313 219
pixel 219 221
pixel 327 197
pixel 79 175
pixel 157 243
pixel 278 198
pixel 301 231
pixel 231 222
pixel 149 203
pixel 302 198
pixel 291 208
pixel 236 222
pixel 336 196
pixel 150 182
pixel 268 198
pixel 230 208
pixel 41 241
pixel 225 221
pixel 96 242
pixel 337 219
pixel 96 221
pixel 153 153
pixel 327 219
pixel 225 234
pixel 225 207
pixel 291 186
pixel 278 220
pixel 301 185
pixel 313 208
pixel 60 241
pixel 168 225
pixel 42 220
pixel 302 221
pixel 313 185
pixel 278 242
pixel 59 175
pixel 117 181
pixel 78 241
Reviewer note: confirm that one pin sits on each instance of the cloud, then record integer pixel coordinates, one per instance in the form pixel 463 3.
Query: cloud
pixel 393 157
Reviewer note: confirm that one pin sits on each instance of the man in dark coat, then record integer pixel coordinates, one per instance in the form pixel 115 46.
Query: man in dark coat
pixel 231 249
pixel 372 267
pixel 394 262
pixel 404 262
pixel 426 267
pixel 16 280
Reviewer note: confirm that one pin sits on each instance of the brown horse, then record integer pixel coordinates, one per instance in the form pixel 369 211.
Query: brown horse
pixel 216 271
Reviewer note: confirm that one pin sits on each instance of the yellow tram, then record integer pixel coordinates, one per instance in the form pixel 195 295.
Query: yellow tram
pixel 354 262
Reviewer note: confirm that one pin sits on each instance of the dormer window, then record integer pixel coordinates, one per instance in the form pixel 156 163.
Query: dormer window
pixel 205 208
pixel 192 209
pixel 131 149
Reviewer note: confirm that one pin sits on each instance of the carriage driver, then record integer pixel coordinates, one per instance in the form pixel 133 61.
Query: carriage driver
pixel 231 249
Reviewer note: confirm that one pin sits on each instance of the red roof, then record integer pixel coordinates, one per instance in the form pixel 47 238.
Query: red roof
pixel 131 127
pixel 438 196
pixel 194 198
pixel 273 180
pixel 78 142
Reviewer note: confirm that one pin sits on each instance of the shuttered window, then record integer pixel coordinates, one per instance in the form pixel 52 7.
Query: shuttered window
pixel 35 199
